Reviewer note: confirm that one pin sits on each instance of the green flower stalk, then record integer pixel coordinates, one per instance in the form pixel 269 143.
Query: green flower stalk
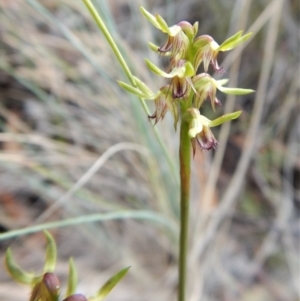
pixel 183 96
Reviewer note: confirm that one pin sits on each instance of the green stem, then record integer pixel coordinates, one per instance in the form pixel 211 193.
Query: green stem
pixel 109 39
pixel 129 75
pixel 185 170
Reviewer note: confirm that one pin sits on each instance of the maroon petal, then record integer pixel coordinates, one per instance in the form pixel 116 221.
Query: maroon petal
pixel 206 139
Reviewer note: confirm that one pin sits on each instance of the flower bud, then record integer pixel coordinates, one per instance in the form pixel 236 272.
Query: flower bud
pixel 189 29
pixel 47 289
pixel 206 51
pixel 76 297
pixel 51 283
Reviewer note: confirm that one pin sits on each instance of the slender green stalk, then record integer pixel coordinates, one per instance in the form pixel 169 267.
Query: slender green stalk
pixel 109 39
pixel 185 171
pixel 129 75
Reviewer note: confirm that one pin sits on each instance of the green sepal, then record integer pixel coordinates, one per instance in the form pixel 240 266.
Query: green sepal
pixel 143 88
pixel 235 91
pixel 195 127
pixel 171 31
pixel 150 17
pixel 160 72
pixel 196 26
pixel 16 272
pixel 155 48
pixel 185 71
pixel 162 23
pixel 109 285
pixel 131 89
pixel 202 41
pixel 221 82
pixel 51 253
pixel 189 69
pixel 188 30
pixel 225 118
pixel 201 80
pixel 72 278
pixel 234 41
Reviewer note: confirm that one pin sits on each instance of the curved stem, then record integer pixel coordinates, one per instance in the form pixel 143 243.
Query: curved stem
pixel 129 75
pixel 109 39
pixel 185 170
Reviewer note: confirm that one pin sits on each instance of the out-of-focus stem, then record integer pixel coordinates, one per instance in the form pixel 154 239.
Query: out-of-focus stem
pixel 129 75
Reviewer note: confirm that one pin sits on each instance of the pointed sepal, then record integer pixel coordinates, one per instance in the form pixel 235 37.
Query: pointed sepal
pixel 224 118
pixel 72 279
pixel 51 253
pixel 109 285
pixel 186 69
pixel 234 41
pixel 16 272
pixel 141 90
pixel 160 23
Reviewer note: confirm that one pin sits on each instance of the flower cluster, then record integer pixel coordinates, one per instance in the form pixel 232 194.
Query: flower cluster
pixel 46 287
pixel 187 90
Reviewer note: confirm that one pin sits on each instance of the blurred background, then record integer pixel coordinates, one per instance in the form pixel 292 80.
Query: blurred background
pixel 72 143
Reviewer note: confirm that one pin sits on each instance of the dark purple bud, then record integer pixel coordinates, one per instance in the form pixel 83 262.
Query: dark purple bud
pixel 76 297
pixel 51 282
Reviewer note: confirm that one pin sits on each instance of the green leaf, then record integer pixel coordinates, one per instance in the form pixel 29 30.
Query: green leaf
pixel 51 253
pixel 234 41
pixel 110 284
pixel 150 17
pixel 72 279
pixel 15 271
pixel 224 118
